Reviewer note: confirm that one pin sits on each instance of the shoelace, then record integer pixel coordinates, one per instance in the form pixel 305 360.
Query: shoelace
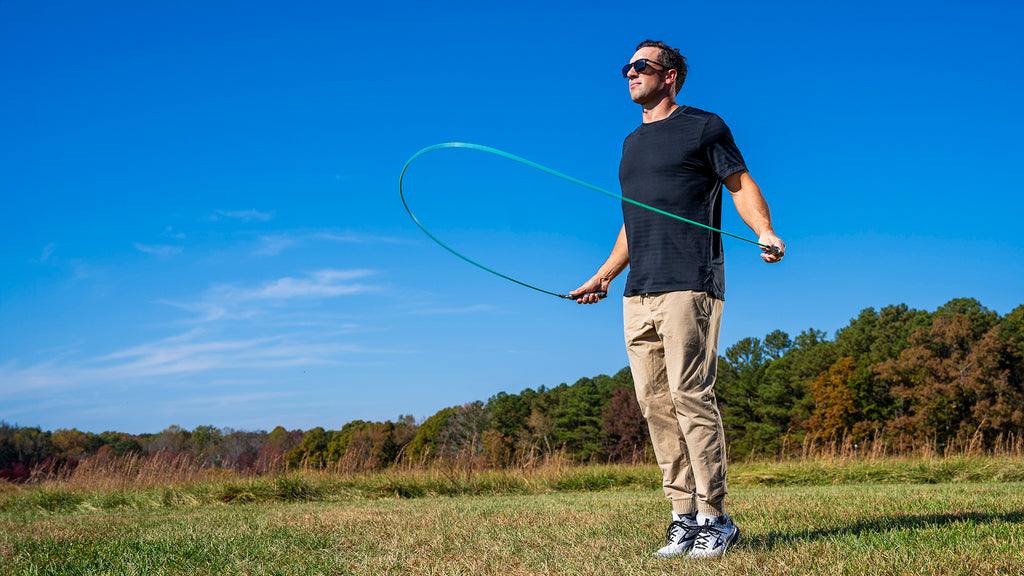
pixel 688 531
pixel 704 535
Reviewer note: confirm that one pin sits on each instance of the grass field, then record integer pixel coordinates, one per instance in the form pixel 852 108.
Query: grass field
pixel 958 516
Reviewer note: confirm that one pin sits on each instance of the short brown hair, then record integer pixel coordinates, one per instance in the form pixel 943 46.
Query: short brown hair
pixel 669 58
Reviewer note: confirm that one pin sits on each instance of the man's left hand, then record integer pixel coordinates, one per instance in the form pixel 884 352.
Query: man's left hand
pixel 770 239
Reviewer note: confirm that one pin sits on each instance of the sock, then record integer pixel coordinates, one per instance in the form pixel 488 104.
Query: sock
pixel 703 519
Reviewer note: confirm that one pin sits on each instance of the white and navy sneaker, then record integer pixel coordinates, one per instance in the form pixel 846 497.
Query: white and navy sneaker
pixel 713 536
pixel 681 534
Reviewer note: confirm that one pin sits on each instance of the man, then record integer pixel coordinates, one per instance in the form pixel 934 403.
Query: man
pixel 677 160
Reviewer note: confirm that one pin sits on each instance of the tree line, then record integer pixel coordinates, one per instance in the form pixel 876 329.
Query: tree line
pixel 897 379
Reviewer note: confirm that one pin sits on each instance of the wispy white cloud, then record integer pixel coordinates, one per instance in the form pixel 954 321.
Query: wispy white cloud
pixel 462 310
pixel 159 250
pixel 241 331
pixel 178 354
pixel 275 244
pixel 205 311
pixel 243 215
pixel 81 269
pixel 225 400
pixel 193 352
pixel 320 284
pixel 247 302
pixel 357 238
pixel 171 233
pixel 43 375
pixel 47 252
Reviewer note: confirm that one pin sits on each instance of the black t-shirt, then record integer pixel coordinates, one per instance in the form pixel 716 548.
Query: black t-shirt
pixel 677 165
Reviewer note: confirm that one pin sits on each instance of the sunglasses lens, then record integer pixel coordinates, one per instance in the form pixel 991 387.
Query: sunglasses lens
pixel 638 66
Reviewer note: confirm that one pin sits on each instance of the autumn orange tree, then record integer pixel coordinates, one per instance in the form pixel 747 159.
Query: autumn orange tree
pixel 835 406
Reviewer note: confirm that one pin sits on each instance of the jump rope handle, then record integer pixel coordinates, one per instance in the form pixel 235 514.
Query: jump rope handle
pixel 600 295
pixel 773 250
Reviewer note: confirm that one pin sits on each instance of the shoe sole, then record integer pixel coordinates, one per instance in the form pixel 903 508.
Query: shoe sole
pixel 682 552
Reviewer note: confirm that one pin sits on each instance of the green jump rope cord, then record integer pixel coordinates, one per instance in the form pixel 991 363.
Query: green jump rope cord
pixel 566 177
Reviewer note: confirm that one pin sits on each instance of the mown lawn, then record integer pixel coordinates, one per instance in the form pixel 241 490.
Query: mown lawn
pixel 877 527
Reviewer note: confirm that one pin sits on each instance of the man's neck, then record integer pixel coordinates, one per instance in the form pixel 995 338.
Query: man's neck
pixel 660 109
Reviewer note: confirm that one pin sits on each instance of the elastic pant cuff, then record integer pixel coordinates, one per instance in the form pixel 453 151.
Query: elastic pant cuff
pixel 716 510
pixel 684 506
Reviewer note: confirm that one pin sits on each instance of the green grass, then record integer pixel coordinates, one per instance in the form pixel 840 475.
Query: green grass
pixel 894 517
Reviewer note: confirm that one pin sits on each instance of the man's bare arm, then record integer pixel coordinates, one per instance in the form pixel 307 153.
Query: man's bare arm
pixel 753 208
pixel 617 261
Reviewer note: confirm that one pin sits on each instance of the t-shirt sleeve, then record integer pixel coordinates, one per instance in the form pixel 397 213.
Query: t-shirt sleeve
pixel 722 154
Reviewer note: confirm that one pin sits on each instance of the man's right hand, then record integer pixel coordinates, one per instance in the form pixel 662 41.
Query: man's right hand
pixel 616 263
pixel 585 294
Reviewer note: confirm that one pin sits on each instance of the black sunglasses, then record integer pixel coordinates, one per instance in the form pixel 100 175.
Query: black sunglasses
pixel 639 65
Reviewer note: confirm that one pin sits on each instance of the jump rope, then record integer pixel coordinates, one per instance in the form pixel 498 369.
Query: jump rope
pixel 524 161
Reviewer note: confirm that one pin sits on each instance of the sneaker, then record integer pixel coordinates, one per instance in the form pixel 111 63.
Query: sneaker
pixel 680 535
pixel 713 536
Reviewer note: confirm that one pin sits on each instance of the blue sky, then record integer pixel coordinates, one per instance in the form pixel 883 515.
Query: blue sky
pixel 201 222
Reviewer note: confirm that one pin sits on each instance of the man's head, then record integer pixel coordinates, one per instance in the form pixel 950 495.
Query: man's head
pixel 664 55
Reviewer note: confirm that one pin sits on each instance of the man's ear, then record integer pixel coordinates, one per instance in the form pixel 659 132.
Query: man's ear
pixel 670 76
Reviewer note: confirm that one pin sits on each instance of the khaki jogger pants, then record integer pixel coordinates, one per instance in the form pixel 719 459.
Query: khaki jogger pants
pixel 672 344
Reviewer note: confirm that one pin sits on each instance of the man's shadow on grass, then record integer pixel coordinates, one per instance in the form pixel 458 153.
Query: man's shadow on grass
pixel 775 539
